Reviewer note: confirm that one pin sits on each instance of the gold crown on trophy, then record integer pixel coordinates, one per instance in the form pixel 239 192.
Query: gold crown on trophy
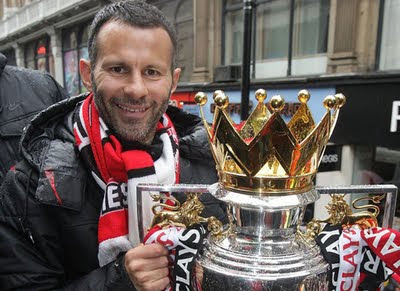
pixel 264 154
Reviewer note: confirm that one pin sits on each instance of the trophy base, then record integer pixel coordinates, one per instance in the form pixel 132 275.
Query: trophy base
pixel 270 263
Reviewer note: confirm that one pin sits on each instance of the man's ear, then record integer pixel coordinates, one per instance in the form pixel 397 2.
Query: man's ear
pixel 85 70
pixel 175 79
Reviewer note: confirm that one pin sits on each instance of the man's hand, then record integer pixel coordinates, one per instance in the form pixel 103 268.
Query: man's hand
pixel 147 267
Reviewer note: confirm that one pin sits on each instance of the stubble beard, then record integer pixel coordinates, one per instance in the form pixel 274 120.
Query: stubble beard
pixel 134 130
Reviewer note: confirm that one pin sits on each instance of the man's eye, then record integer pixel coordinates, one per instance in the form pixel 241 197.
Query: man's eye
pixel 152 73
pixel 117 70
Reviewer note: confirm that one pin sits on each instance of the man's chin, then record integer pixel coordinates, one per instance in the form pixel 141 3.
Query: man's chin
pixel 133 135
pixel 130 130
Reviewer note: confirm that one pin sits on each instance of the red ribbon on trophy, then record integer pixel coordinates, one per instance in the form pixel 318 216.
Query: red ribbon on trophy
pixel 360 259
pixel 385 243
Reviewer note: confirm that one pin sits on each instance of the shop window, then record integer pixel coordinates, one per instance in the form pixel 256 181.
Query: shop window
pixel 42 55
pixel 38 55
pixel 234 36
pixel 390 44
pixel 271 25
pixel 311 27
pixel 74 49
pixel 30 55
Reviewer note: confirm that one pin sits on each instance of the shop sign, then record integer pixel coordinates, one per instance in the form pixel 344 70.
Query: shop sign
pixel 371 115
pixel 332 159
pixel 233 108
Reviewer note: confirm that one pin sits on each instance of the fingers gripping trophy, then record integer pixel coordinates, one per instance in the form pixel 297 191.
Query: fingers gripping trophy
pixel 266 168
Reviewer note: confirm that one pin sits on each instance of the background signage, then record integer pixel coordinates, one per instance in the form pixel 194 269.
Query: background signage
pixel 371 115
pixel 332 159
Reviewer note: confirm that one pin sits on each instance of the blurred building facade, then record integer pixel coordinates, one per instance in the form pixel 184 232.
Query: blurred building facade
pixel 325 46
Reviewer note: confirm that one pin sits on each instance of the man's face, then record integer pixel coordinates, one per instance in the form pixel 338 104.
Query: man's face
pixel 132 79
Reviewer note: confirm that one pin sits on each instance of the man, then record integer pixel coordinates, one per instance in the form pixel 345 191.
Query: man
pixel 23 93
pixel 64 211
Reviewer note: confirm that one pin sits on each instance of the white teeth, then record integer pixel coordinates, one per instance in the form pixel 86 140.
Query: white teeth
pixel 130 109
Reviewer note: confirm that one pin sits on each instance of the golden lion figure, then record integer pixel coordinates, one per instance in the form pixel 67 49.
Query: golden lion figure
pixel 184 215
pixel 340 214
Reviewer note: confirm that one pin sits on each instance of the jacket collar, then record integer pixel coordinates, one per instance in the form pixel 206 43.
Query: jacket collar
pixel 3 62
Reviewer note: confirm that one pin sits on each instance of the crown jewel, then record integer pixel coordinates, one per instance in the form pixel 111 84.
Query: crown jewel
pixel 264 154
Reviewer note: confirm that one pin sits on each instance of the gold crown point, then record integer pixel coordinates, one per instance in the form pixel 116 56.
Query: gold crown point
pixel 216 92
pixel 200 98
pixel 261 94
pixel 330 102
pixel 303 96
pixel 340 99
pixel 277 103
pixel 221 100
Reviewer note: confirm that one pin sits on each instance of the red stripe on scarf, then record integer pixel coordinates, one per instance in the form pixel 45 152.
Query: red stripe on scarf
pixel 113 160
pixel 142 160
pixel 113 224
pixel 91 119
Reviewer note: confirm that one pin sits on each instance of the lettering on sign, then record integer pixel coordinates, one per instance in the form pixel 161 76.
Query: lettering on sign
pixel 395 116
pixel 332 159
pixel 233 108
pixel 290 108
pixel 288 111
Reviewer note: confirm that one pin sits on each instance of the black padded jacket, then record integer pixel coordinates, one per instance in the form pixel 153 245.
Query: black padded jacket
pixel 23 93
pixel 49 242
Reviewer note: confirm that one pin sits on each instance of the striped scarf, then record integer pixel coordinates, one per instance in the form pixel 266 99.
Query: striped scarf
pixel 118 171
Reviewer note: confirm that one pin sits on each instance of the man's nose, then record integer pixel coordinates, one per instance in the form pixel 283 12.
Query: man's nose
pixel 136 86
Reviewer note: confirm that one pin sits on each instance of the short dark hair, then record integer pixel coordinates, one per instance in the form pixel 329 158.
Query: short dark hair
pixel 136 13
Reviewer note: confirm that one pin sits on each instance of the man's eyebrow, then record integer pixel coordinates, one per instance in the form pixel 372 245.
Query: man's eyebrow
pixel 114 63
pixel 157 66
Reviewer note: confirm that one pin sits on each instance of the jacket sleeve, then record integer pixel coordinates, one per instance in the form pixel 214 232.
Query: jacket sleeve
pixel 31 253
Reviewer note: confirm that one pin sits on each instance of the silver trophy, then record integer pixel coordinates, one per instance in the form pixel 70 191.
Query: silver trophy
pixel 265 169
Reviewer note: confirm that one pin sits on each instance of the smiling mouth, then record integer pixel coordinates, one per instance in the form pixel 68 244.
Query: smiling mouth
pixel 131 109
